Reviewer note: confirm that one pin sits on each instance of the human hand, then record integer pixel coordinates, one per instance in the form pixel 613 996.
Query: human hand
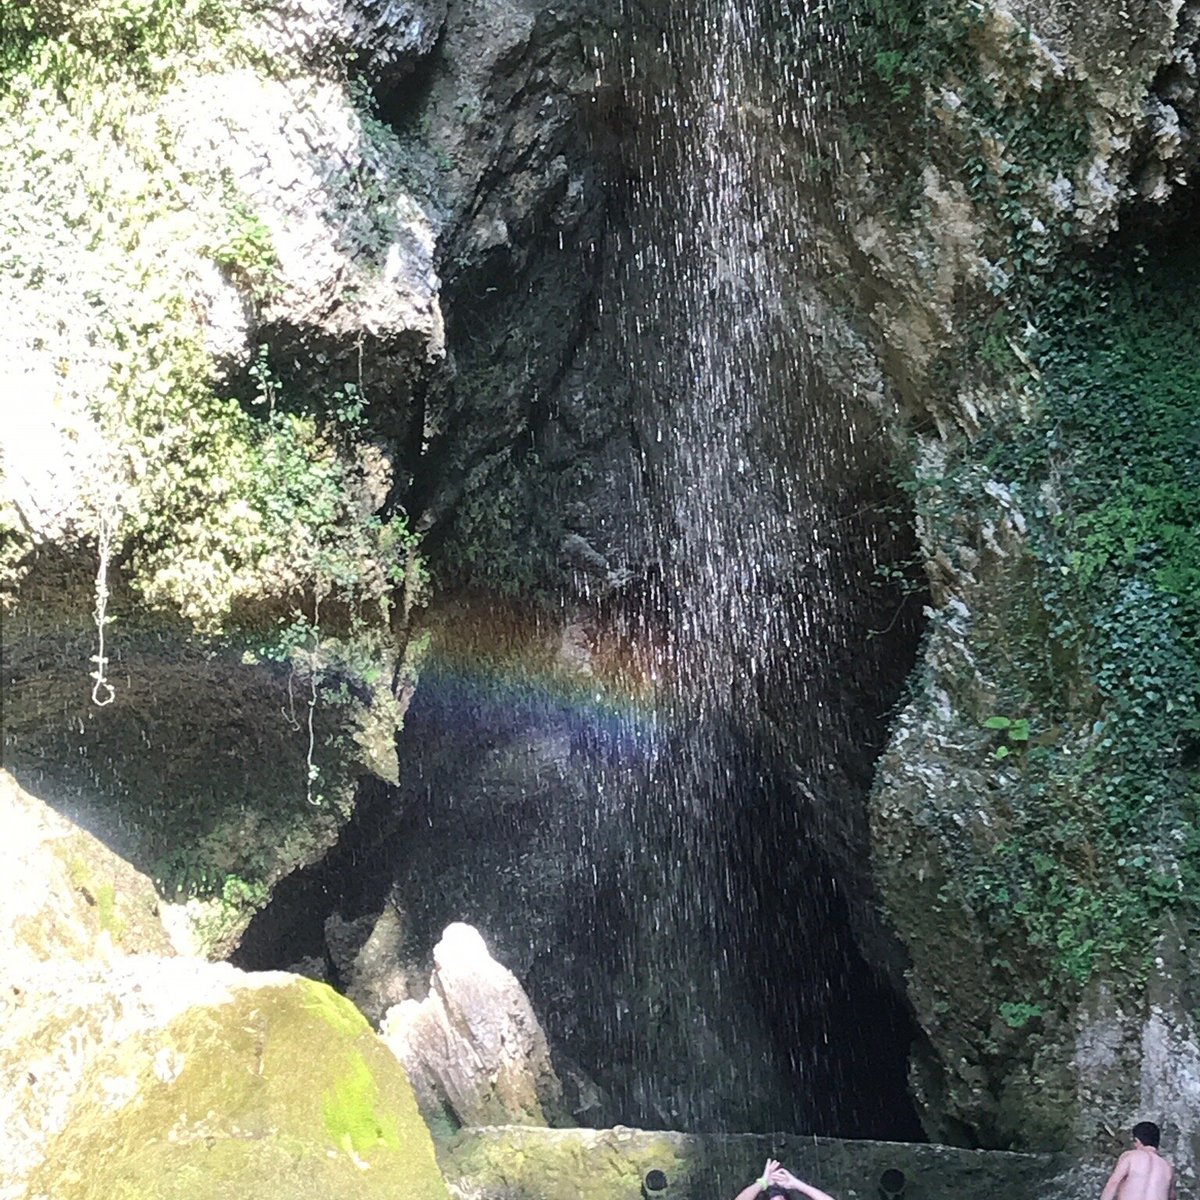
pixel 784 1178
pixel 768 1176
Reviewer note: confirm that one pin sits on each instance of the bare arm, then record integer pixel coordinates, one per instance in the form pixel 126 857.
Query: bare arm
pixel 786 1179
pixel 1171 1188
pixel 752 1190
pixel 1116 1178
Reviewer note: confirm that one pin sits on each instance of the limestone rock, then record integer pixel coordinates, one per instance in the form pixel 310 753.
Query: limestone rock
pixel 474 1048
pixel 156 1078
pixel 354 251
pixel 387 39
pixel 66 894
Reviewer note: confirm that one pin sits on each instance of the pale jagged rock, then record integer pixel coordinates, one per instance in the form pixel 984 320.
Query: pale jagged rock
pixel 387 38
pixel 354 252
pixel 474 1048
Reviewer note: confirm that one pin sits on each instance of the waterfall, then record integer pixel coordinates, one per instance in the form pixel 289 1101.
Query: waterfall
pixel 753 464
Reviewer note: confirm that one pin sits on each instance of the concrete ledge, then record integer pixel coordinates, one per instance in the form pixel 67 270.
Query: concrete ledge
pixel 511 1163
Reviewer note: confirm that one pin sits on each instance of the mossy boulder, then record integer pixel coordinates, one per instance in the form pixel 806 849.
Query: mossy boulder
pixel 66 893
pixel 163 1078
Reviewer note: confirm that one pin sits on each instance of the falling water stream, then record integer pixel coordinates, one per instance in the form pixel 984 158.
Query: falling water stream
pixel 753 469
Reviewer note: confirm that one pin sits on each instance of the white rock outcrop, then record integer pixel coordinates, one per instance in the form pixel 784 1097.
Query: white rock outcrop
pixel 473 1048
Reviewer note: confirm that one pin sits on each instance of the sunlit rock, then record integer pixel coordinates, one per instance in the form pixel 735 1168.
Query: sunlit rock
pixel 474 1048
pixel 388 39
pixel 149 1074
pixel 353 251
pixel 66 895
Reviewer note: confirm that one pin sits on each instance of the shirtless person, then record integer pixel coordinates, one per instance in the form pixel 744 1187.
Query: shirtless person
pixel 1141 1173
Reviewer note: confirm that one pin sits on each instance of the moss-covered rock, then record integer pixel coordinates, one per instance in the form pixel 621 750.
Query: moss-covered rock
pixel 66 895
pixel 159 1079
pixel 1033 819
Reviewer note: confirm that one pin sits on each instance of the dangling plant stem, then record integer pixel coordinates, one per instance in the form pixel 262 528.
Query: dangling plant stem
pixel 313 771
pixel 103 692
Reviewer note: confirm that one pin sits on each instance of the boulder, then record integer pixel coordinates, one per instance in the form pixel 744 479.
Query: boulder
pixel 66 894
pixel 474 1048
pixel 156 1078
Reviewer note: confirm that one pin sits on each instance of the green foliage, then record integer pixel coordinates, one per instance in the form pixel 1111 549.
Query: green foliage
pixel 74 43
pixel 1016 734
pixel 1017 1015
pixel 233 505
pixel 245 246
pixel 1103 645
pixel 219 505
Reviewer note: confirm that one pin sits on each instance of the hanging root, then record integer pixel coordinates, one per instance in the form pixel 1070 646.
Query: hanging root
pixel 103 692
pixel 313 772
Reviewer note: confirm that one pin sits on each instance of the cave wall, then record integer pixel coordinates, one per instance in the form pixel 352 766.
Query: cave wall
pixel 1017 246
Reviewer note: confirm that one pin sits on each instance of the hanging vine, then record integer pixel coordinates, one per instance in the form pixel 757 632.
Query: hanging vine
pixel 108 519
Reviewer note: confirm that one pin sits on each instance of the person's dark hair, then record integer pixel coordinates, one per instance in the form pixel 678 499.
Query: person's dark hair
pixel 782 1193
pixel 1147 1133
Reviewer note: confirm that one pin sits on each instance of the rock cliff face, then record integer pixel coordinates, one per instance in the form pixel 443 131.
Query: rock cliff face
pixel 237 239
pixel 1030 832
pixel 305 296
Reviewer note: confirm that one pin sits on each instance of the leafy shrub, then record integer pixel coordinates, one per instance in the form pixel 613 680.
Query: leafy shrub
pixel 1104 838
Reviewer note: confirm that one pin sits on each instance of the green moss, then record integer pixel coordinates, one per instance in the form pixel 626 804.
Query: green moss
pixel 333 1008
pixel 567 1164
pixel 262 1094
pixel 106 906
pixel 352 1113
